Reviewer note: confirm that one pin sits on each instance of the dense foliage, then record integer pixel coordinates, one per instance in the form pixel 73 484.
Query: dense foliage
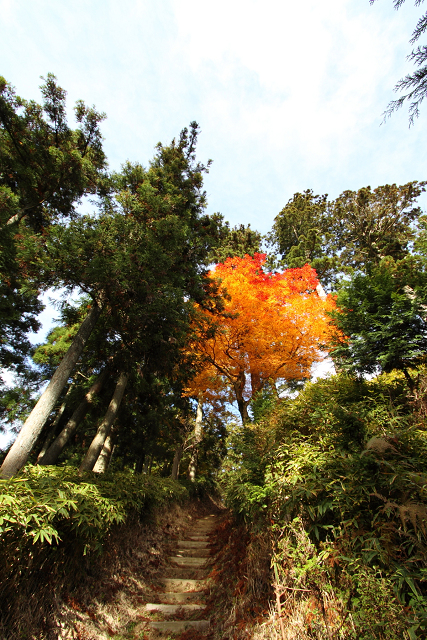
pixel 271 328
pixel 339 475
pixel 55 525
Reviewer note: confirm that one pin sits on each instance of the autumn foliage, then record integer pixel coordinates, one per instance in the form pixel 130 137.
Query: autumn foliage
pixel 272 327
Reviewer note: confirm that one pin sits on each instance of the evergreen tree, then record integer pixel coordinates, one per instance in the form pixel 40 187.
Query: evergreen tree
pixel 239 241
pixel 415 83
pixel 382 318
pixel 45 166
pixel 346 235
pixel 45 169
pixel 143 262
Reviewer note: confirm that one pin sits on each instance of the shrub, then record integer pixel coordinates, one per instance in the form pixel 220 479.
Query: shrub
pixel 343 492
pixel 54 523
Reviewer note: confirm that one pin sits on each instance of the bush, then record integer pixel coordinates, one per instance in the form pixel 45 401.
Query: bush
pixel 54 523
pixel 48 505
pixel 344 472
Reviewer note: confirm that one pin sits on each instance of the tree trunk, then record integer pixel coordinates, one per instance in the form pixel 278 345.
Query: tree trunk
pixel 125 458
pixel 409 380
pixel 105 426
pixel 177 461
pixel 21 448
pixel 148 461
pixel 104 458
pixel 16 218
pixel 70 428
pixel 51 434
pixel 256 384
pixel 239 386
pixel 197 437
pixel 322 295
pixel 139 464
pixel 321 292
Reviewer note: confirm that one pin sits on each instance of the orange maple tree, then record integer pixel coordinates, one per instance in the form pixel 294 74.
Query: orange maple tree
pixel 272 327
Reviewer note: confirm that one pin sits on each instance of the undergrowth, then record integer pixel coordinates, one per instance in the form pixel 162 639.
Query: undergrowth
pixel 338 476
pixel 54 525
pixel 240 580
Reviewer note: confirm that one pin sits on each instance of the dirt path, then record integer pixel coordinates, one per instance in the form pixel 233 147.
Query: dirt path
pixel 179 602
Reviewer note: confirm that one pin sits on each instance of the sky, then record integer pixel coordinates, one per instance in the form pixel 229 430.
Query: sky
pixel 288 95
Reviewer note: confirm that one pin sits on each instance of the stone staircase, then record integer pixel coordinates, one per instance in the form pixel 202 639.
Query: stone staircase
pixel 182 594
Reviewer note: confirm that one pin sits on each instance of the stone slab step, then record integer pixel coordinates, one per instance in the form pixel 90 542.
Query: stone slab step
pixel 186 573
pixel 188 562
pixel 170 609
pixel 180 585
pixel 192 553
pixel 198 538
pixel 193 544
pixel 180 625
pixel 172 597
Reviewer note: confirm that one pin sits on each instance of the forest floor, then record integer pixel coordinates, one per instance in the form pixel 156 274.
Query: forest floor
pixel 110 602
pixel 113 596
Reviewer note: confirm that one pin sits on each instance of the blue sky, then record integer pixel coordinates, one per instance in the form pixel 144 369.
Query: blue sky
pixel 288 95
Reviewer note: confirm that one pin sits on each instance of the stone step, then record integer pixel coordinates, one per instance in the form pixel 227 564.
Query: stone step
pixel 179 626
pixel 188 562
pixel 171 597
pixel 192 553
pixel 181 585
pixel 185 594
pixel 193 544
pixel 170 609
pixel 186 573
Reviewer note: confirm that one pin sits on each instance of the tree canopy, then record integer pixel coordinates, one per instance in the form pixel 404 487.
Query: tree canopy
pixel 272 327
pixel 142 260
pixel 414 83
pixel 346 235
pixel 383 314
pixel 45 169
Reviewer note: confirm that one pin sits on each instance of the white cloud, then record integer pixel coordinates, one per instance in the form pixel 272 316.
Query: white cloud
pixel 288 95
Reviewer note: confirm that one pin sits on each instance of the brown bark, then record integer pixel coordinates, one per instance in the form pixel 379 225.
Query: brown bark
pixel 242 404
pixel 104 458
pixel 409 380
pixel 21 448
pixel 50 436
pixel 197 437
pixel 256 384
pixel 139 464
pixel 105 426
pixel 70 428
pixel 148 461
pixel 177 461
